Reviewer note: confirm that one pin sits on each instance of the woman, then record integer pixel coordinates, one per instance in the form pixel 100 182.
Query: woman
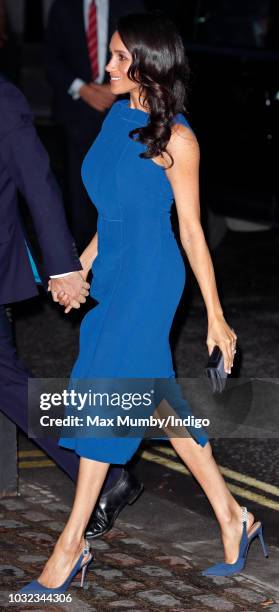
pixel 145 155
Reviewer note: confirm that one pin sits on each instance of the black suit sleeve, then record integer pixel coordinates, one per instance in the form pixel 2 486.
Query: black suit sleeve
pixel 58 69
pixel 27 164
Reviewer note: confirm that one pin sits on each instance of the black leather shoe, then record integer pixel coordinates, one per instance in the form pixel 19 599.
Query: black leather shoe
pixel 125 491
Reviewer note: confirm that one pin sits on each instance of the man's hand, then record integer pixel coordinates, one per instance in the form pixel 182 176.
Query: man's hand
pixel 97 96
pixel 69 291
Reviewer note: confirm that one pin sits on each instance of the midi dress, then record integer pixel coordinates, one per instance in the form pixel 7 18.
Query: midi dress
pixel 138 275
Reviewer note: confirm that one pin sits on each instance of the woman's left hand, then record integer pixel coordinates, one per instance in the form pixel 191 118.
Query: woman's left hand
pixel 220 333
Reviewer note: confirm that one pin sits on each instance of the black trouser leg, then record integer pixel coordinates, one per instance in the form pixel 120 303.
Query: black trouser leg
pixel 14 396
pixel 14 402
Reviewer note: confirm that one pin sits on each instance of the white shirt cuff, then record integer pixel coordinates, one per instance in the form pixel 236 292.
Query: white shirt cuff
pixel 60 275
pixel 75 87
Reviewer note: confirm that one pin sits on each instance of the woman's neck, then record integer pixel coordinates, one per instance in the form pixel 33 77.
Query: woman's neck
pixel 136 103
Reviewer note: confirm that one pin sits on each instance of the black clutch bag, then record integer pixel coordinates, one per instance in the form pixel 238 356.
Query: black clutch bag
pixel 215 370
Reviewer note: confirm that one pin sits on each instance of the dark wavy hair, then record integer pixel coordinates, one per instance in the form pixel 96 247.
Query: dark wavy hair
pixel 160 67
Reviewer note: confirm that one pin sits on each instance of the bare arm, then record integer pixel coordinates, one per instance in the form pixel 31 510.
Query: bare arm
pixel 86 259
pixel 88 255
pixel 184 179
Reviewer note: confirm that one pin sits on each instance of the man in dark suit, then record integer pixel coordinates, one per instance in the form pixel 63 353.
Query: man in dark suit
pixel 77 50
pixel 77 41
pixel 24 165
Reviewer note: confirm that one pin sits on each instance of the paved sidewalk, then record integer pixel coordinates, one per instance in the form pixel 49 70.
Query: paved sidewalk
pixel 132 571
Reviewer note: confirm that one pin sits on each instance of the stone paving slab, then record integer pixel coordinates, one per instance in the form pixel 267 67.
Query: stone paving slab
pixel 130 572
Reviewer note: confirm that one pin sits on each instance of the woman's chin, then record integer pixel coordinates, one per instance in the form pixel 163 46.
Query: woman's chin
pixel 117 89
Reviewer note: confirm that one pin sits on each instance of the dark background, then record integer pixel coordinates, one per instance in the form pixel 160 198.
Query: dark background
pixel 233 52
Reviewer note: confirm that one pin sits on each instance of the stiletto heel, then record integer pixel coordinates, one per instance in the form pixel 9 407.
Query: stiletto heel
pixel 36 587
pixel 83 574
pixel 261 538
pixel 228 569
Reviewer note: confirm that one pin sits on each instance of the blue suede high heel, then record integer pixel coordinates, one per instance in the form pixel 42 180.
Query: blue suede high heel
pixel 228 569
pixel 35 586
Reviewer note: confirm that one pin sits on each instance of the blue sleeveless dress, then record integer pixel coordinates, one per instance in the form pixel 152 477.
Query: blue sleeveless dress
pixel 138 274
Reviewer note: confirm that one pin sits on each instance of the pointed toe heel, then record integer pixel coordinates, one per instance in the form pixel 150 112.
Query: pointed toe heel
pixel 228 569
pixel 81 565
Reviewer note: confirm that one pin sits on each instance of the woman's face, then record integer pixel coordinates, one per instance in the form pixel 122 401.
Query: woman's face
pixel 118 66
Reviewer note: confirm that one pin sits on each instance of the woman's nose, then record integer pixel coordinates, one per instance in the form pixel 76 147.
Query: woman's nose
pixel 109 65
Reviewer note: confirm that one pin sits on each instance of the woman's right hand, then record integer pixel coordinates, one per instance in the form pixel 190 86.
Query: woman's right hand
pixel 84 273
pixel 86 259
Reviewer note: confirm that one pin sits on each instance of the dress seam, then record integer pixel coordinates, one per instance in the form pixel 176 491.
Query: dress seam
pixel 107 219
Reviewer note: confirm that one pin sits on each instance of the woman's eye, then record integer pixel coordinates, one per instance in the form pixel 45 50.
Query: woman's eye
pixel 120 56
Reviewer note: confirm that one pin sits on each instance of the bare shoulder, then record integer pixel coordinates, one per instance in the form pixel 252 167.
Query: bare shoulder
pixel 182 142
pixel 184 149
pixel 182 146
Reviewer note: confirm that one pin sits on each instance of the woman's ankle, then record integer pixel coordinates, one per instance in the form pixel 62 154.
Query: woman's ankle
pixel 232 515
pixel 71 543
pixel 233 519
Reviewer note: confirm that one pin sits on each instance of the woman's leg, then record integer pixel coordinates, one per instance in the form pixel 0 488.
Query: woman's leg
pixel 203 466
pixel 71 541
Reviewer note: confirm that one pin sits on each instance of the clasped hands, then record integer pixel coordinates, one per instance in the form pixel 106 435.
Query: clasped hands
pixel 70 291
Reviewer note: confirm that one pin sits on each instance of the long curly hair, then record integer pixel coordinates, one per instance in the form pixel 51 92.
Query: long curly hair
pixel 160 67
